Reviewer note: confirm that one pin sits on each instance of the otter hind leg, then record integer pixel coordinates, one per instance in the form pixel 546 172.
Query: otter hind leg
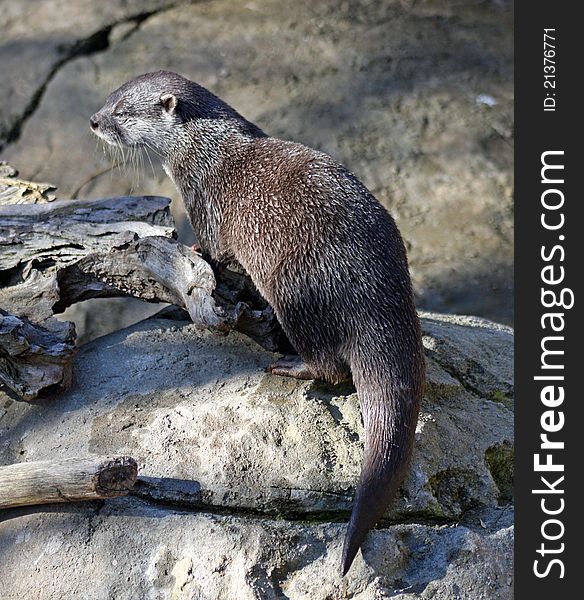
pixel 317 358
pixel 294 366
pixel 291 366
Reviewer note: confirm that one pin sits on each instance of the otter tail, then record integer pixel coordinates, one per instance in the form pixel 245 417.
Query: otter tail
pixel 389 391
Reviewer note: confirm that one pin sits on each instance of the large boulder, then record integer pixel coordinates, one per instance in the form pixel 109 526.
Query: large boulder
pixel 246 479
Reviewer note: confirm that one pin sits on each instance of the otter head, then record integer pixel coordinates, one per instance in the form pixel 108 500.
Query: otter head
pixel 148 111
pixel 164 111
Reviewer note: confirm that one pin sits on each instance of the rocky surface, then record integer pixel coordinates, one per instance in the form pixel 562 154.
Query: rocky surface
pixel 246 478
pixel 414 96
pixel 130 549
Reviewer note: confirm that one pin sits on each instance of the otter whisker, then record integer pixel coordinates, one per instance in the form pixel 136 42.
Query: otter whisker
pixel 151 147
pixel 150 161
pixel 134 157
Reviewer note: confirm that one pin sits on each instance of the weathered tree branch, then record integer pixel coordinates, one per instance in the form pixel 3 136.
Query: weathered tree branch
pixel 34 360
pixel 68 480
pixel 18 191
pixel 54 254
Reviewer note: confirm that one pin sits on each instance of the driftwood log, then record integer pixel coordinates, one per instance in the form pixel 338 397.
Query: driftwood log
pixel 54 253
pixel 68 480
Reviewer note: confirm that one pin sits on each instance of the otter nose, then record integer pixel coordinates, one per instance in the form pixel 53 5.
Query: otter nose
pixel 94 122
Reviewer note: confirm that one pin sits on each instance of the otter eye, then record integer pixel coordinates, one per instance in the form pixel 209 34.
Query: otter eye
pixel 119 110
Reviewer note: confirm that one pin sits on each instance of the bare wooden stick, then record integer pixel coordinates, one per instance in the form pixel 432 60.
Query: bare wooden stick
pixel 67 480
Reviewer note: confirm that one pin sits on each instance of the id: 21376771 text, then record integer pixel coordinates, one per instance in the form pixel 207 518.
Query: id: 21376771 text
pixel 549 70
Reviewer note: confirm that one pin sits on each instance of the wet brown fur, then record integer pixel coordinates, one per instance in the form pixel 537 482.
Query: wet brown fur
pixel 318 246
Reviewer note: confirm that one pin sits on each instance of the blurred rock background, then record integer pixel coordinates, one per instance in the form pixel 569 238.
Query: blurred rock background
pixel 414 96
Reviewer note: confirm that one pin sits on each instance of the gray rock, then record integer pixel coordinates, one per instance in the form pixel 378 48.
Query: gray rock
pixel 97 317
pixel 39 36
pixel 190 405
pixel 131 550
pixel 271 463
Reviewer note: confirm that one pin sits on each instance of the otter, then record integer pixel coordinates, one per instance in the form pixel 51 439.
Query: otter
pixel 318 246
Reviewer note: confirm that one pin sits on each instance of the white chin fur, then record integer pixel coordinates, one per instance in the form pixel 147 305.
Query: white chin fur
pixel 105 138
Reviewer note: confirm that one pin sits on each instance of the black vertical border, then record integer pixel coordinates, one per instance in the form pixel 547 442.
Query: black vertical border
pixel 535 132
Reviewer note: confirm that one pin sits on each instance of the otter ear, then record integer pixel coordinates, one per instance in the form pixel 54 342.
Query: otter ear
pixel 169 102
